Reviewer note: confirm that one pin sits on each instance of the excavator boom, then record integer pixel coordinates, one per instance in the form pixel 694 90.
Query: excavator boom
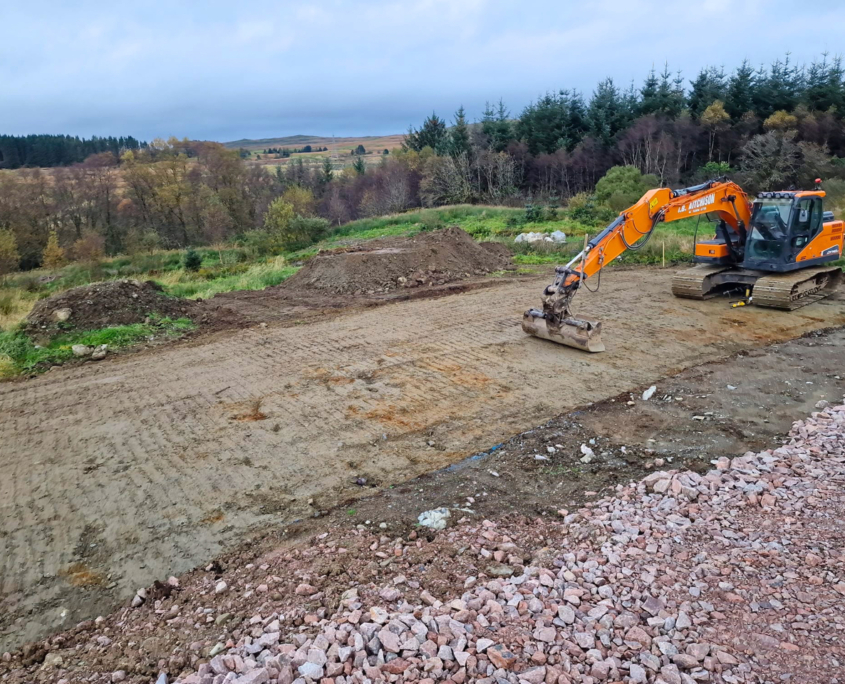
pixel 631 230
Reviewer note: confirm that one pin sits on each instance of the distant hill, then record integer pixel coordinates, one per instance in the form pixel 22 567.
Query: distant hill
pixel 373 142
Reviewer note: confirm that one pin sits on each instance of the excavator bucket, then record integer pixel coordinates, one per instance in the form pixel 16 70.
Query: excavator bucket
pixel 572 332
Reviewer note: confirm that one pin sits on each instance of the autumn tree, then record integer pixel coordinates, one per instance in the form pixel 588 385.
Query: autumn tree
pixel 279 215
pixel 715 119
pixel 53 256
pixel 89 248
pixel 301 199
pixel 781 121
pixel 9 257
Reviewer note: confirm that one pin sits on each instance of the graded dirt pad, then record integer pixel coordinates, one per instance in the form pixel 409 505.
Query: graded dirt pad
pixel 106 304
pixel 388 561
pixel 426 259
pixel 123 473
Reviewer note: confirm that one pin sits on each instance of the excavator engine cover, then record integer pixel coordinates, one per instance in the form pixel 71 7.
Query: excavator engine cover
pixel 572 332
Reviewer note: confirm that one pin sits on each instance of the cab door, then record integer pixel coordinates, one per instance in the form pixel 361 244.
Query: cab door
pixel 806 225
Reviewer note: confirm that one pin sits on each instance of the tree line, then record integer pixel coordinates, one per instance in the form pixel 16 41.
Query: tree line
pixel 46 151
pixel 772 127
pixel 287 152
pixel 780 125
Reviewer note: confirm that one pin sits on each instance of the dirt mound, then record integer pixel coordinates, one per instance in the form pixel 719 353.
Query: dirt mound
pixel 383 265
pixel 101 305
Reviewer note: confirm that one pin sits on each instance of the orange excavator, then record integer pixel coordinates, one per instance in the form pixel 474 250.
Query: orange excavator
pixel 771 250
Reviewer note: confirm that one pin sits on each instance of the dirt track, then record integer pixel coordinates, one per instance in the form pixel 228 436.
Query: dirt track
pixel 121 473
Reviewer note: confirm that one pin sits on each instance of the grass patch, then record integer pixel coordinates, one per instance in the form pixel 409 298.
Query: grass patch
pixel 15 304
pixel 195 285
pixel 19 354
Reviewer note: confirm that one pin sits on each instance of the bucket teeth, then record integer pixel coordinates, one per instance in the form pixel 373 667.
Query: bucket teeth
pixel 585 335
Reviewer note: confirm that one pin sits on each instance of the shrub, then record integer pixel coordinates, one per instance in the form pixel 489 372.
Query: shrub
pixel 193 260
pixel 533 213
pixel 7 367
pixel 7 304
pixel 431 220
pixel 90 248
pixel 583 208
pixel 622 186
pixel 713 170
pixel 258 243
pixel 303 231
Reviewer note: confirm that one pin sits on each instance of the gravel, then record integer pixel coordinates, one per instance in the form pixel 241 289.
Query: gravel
pixel 615 604
pixel 735 575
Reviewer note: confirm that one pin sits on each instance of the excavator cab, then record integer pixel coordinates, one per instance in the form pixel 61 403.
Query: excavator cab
pixel 783 232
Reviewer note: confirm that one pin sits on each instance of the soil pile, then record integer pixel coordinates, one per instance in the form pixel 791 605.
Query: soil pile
pixel 427 259
pixel 101 305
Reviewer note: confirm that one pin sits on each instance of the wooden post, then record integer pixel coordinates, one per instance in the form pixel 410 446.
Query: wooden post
pixel 664 253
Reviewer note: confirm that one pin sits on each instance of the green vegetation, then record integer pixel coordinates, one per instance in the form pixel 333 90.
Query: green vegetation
pixel 193 261
pixel 264 258
pixel 19 354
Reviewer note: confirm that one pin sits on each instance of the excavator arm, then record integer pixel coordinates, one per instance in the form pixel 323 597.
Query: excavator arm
pixel 631 230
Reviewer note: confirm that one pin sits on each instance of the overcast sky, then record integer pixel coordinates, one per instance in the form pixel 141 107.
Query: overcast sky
pixel 224 70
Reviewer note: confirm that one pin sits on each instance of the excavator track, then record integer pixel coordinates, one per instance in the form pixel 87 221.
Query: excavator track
pixel 791 291
pixel 697 282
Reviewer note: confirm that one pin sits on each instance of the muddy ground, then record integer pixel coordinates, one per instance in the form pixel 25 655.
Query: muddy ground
pixel 148 465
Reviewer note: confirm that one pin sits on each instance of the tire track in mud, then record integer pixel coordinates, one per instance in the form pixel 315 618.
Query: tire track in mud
pixel 127 471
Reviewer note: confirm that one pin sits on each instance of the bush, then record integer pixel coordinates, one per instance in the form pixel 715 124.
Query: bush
pixel 258 243
pixel 193 260
pixel 584 209
pixel 712 170
pixel 90 248
pixel 622 186
pixel 533 213
pixel 303 231
pixel 7 304
pixel 431 220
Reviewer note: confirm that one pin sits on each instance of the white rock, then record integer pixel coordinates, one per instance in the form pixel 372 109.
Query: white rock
pixel 435 519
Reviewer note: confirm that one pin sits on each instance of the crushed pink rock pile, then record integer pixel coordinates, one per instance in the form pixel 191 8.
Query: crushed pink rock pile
pixel 641 594
pixel 736 575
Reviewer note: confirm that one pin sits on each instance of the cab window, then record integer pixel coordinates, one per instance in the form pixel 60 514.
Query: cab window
pixel 808 218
